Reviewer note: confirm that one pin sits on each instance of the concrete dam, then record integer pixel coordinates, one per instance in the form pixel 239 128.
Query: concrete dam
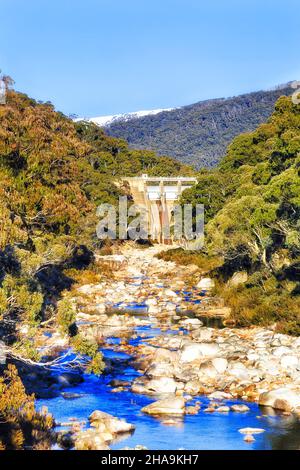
pixel 158 195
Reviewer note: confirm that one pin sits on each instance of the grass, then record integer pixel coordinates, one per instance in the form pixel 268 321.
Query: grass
pixel 265 305
pixel 184 258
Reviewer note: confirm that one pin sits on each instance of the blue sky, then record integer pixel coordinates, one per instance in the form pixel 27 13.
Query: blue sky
pixel 97 57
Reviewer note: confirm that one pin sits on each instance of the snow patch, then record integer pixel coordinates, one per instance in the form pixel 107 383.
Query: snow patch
pixel 106 121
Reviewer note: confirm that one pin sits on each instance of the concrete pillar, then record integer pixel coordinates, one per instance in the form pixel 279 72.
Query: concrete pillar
pixel 179 190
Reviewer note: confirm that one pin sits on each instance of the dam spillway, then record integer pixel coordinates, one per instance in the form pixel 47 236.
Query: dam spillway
pixel 158 195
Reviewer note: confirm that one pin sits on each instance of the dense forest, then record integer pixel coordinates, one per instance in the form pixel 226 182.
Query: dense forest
pixel 199 134
pixel 252 211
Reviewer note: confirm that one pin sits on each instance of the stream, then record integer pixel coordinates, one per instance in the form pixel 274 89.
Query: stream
pixel 202 431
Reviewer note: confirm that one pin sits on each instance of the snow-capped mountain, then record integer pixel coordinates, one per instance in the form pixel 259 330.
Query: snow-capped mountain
pixel 106 121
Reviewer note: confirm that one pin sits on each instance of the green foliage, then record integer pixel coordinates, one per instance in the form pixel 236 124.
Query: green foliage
pixel 96 365
pixel 66 316
pixel 17 296
pixel 198 134
pixel 53 175
pixel 263 305
pixel 25 348
pixel 111 156
pixel 87 347
pixel 252 210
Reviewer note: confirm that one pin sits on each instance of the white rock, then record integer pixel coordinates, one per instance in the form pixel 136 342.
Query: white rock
pixel 289 361
pixel 160 369
pixel 202 334
pixel 252 357
pixel 170 293
pixel 223 409
pixel 284 398
pixel 240 408
pixel 191 323
pixel 171 406
pixel 151 301
pixel 195 351
pixel 241 374
pixel 208 369
pixel 101 308
pixel 251 430
pixel 113 425
pixel 220 396
pixel 153 309
pixel 206 283
pixel 170 307
pixel 162 385
pixel 281 350
pixel 220 364
pixel 192 387
pixel 238 278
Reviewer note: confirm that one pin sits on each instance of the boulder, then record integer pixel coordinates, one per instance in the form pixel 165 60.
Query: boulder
pixel 68 379
pixel 170 406
pixel 223 409
pixel 150 301
pixel 159 385
pixel 239 373
pixel 206 283
pixel 192 387
pixel 220 396
pixel 101 308
pixel 240 408
pixel 238 278
pixel 91 439
pixel 170 293
pixel 251 430
pixel 191 323
pixel 152 309
pixel 289 361
pixel 170 307
pixel 71 396
pixel 202 334
pixel 281 351
pixel 165 355
pixel 208 370
pixel 109 424
pixel 220 364
pixel 194 351
pixel 285 399
pixel 163 385
pixel 160 369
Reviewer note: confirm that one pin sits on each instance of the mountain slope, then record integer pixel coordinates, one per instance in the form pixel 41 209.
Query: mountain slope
pixel 252 213
pixel 198 134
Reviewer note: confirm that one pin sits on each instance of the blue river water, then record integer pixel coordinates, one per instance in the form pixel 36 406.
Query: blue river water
pixel 204 431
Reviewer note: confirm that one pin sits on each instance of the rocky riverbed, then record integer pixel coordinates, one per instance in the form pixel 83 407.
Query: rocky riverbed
pixel 151 323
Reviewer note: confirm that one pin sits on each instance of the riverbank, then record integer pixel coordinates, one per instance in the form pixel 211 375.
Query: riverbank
pixel 148 321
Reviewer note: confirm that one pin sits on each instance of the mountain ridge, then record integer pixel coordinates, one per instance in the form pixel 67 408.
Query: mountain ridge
pixel 198 133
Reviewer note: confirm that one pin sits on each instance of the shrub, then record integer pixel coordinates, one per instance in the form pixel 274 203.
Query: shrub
pixel 20 424
pixel 266 304
pixel 87 347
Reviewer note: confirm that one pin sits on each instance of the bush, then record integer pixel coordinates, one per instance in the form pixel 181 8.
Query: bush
pixel 20 424
pixel 265 304
pixel 86 347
